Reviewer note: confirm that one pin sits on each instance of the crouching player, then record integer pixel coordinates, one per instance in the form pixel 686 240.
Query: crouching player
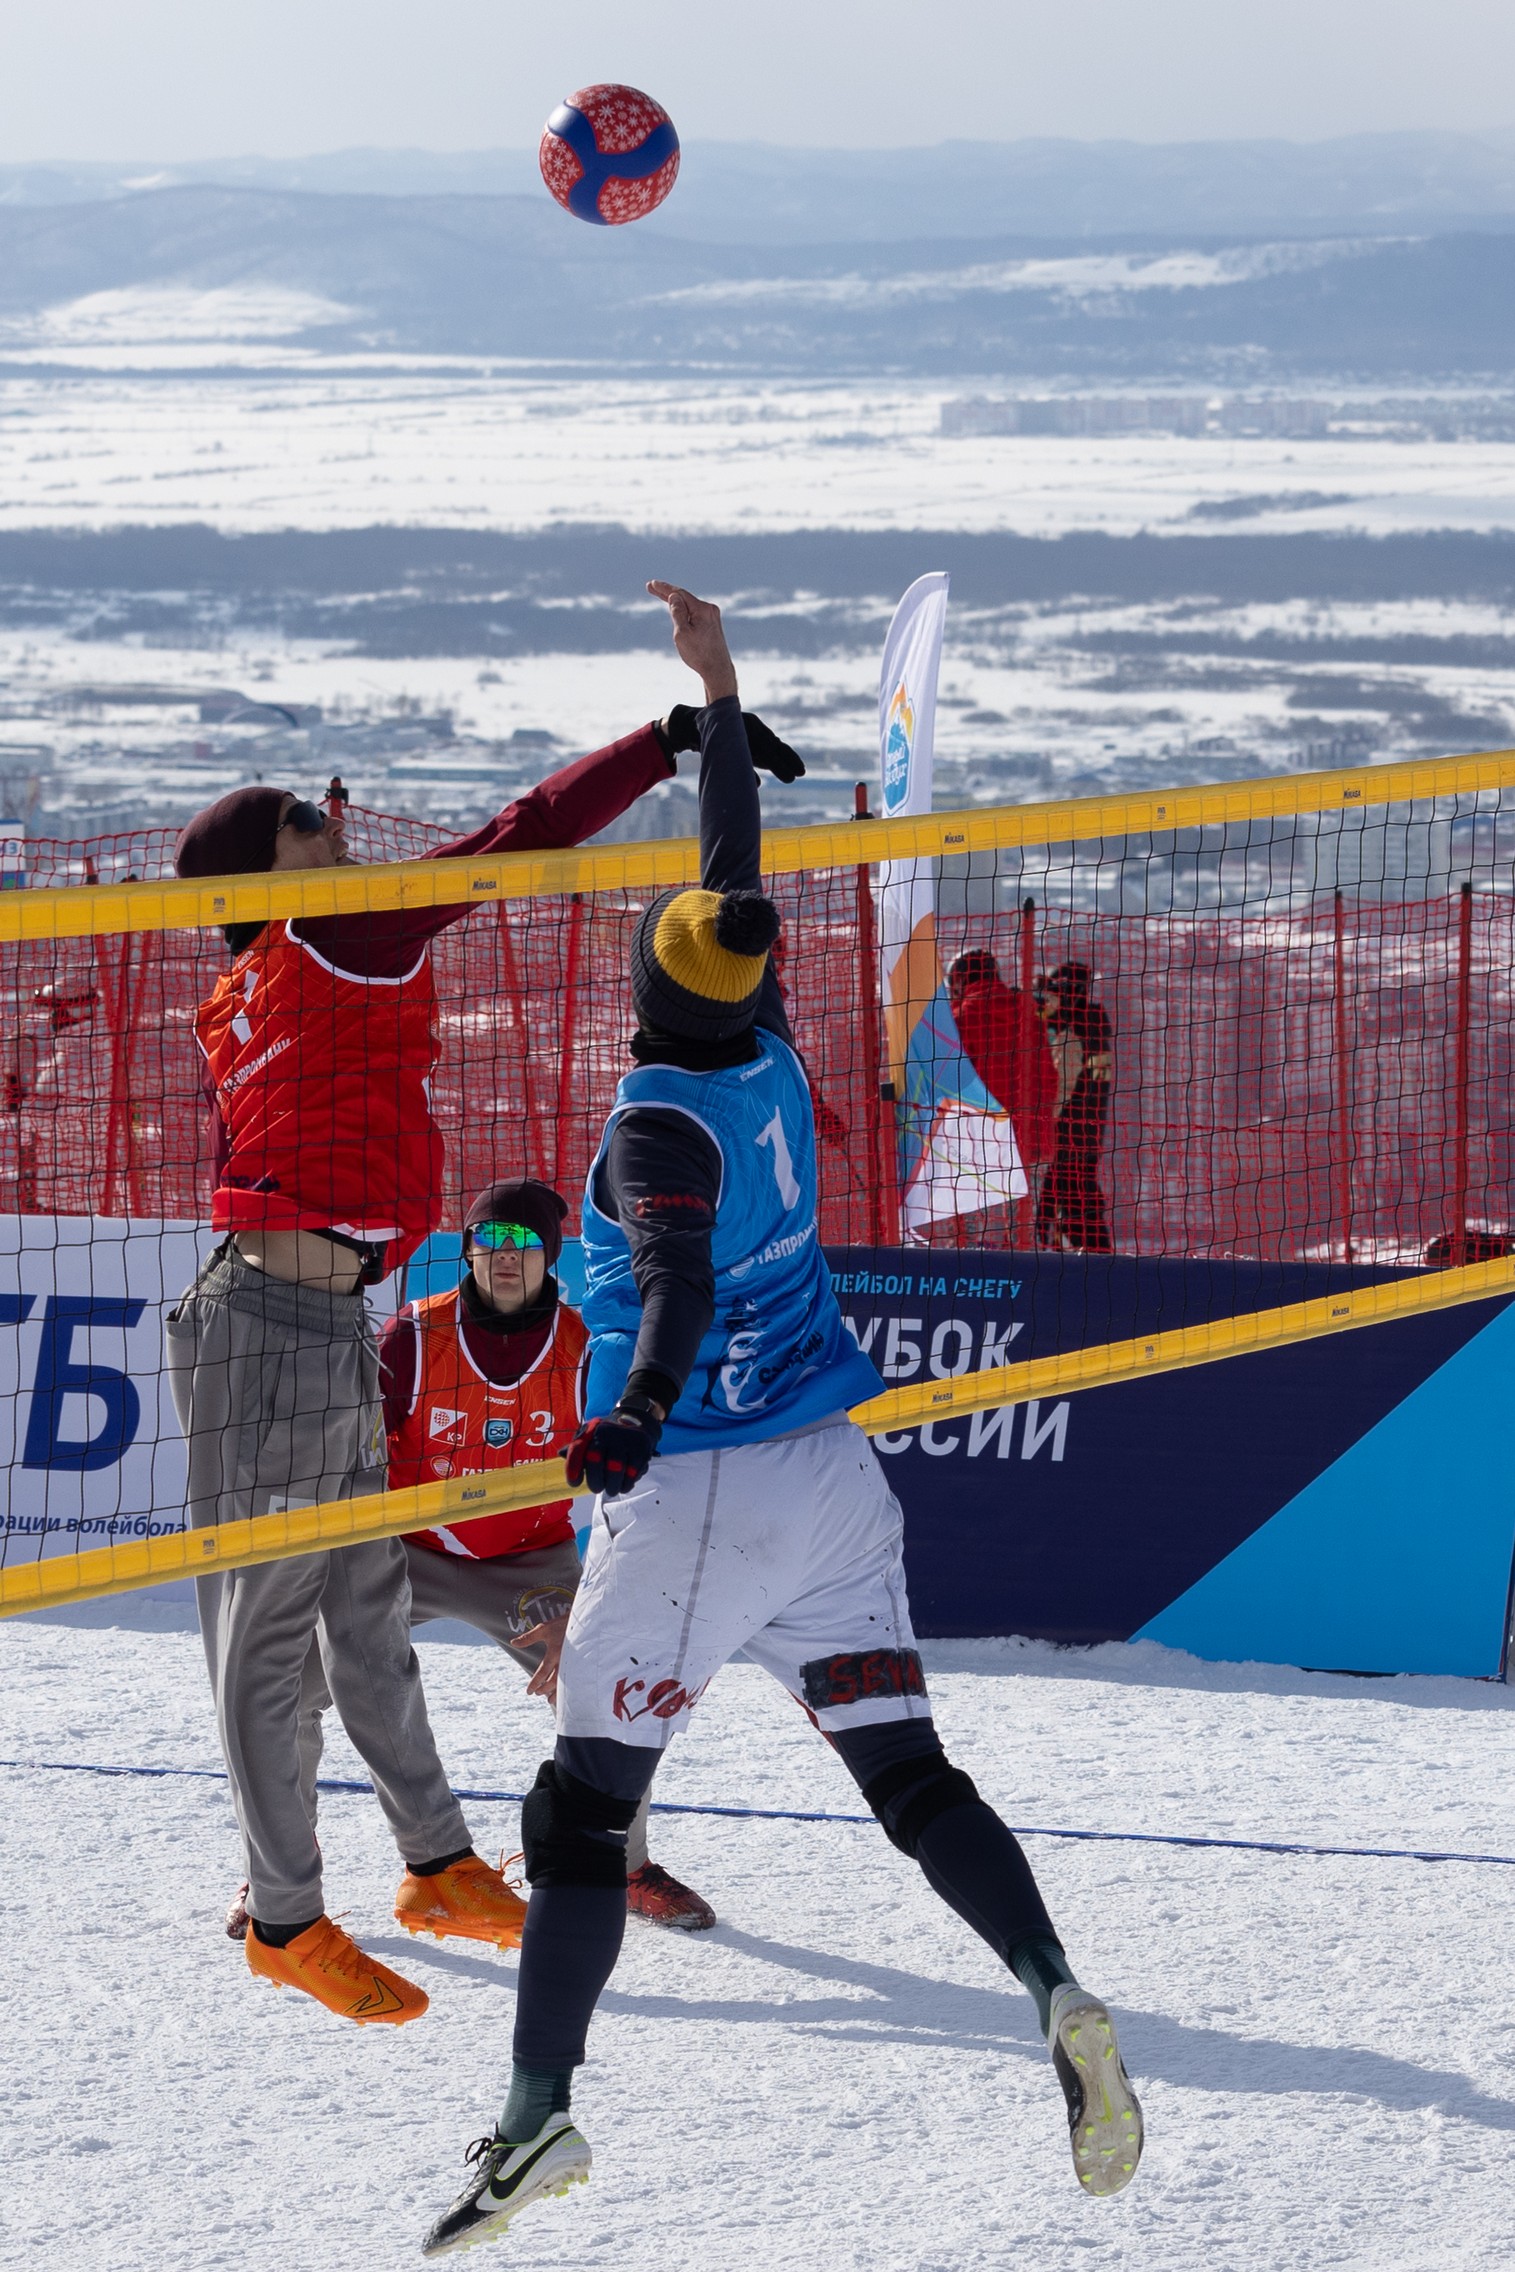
pixel 483 1376
pixel 739 1508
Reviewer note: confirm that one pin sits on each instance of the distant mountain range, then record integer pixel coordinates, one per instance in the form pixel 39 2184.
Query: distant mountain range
pixel 741 193
pixel 200 273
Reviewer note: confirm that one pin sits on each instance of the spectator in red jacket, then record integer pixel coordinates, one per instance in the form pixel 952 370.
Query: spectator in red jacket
pixel 1007 1047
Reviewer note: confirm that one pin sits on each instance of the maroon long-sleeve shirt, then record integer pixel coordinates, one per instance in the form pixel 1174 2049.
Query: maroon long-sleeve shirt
pixel 574 803
pixel 386 943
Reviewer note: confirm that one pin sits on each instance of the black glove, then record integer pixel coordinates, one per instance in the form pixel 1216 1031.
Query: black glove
pixel 769 754
pixel 612 1453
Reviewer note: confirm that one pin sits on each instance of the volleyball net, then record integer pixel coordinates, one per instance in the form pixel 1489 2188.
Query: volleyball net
pixel 1282 1101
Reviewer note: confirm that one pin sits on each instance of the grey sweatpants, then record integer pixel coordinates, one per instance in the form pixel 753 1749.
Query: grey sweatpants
pixel 277 1391
pixel 504 1597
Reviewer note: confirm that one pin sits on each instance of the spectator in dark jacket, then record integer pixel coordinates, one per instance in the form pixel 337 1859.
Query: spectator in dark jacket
pixel 1071 1213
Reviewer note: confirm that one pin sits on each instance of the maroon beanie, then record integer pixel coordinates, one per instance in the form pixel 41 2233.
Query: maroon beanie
pixel 236 836
pixel 536 1205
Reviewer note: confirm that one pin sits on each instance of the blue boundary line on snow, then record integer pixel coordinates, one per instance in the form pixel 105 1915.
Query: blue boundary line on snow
pixel 866 1821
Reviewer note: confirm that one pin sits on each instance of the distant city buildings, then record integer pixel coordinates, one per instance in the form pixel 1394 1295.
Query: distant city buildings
pixel 1489 418
pixel 1101 414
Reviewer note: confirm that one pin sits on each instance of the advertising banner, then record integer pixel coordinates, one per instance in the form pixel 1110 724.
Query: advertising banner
pixel 90 1446
pixel 1345 1503
pixel 909 970
pixel 957 1149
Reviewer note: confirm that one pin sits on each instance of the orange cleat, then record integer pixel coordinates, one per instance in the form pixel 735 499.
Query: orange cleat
pixel 329 1965
pixel 468 1901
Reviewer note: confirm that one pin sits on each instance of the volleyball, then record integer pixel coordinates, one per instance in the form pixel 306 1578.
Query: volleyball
pixel 609 154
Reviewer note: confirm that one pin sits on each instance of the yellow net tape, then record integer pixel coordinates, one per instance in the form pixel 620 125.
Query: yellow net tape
pixel 99 909
pixel 348 1522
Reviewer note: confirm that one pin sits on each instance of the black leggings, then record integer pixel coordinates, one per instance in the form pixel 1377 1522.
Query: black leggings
pixel 573 1932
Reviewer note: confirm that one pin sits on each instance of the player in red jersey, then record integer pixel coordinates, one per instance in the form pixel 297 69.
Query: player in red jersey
pixel 319 1042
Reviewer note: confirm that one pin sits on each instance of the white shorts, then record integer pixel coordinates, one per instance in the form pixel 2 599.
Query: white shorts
pixel 789 1550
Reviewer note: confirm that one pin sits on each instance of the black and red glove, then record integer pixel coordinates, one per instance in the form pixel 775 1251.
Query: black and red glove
pixel 614 1452
pixel 769 754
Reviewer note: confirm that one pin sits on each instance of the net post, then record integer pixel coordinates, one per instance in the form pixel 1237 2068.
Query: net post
pixel 569 1034
pixel 514 995
pixel 868 1020
pixel 1464 1065
pixel 121 1181
pixel 1027 1040
pixel 1343 1073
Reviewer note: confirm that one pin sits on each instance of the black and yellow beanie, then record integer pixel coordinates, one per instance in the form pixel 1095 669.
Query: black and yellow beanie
pixel 697 962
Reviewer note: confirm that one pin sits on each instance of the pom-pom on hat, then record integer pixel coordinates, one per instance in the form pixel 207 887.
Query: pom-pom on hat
pixel 697 962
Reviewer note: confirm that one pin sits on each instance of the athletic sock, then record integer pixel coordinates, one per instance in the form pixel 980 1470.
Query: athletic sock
pixel 443 1862
pixel 280 1936
pixel 1041 1968
pixel 533 2099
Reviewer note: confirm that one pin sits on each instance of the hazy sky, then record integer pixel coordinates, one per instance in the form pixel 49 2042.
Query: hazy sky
pixel 181 79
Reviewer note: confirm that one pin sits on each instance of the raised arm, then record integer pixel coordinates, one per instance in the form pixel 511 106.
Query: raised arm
pixel 574 803
pixel 731 817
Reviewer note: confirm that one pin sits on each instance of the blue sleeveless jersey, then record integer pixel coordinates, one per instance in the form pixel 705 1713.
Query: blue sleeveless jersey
pixel 777 1356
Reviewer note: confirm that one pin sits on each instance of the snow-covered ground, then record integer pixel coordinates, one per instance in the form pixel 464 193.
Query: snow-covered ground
pixel 473 446
pixel 840 2076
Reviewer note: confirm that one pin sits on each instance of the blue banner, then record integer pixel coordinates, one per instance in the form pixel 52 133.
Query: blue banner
pixel 1343 1503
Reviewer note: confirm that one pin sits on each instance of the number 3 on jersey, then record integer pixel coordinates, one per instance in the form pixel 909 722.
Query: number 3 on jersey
pixel 772 1132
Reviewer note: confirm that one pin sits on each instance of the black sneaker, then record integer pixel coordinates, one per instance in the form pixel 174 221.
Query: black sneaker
pixel 1104 2118
pixel 507 2179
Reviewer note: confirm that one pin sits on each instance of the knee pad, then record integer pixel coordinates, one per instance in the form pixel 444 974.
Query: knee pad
pixel 573 1834
pixel 909 1796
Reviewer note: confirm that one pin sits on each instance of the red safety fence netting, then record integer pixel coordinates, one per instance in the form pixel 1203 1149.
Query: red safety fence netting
pixel 1287 1084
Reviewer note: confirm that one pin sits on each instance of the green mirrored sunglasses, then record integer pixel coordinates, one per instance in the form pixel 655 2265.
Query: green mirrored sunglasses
pixel 503 1234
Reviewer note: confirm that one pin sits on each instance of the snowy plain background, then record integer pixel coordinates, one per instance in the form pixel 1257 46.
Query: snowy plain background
pixel 1160 608
pixel 840 2075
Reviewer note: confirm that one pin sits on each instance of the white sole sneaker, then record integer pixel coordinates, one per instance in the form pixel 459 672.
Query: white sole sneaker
pixel 508 2180
pixel 1104 2116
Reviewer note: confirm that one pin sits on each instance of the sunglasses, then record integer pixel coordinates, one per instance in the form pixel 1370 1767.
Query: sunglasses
pixel 493 1235
pixel 305 818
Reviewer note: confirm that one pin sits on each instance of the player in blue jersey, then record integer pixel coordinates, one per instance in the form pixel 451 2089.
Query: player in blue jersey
pixel 738 1508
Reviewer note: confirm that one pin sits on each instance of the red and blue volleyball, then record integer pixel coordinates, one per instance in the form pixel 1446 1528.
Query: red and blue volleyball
pixel 609 154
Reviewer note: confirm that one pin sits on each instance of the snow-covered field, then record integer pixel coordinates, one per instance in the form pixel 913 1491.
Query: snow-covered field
pixel 474 446
pixel 1035 701
pixel 840 2076
pixel 424 675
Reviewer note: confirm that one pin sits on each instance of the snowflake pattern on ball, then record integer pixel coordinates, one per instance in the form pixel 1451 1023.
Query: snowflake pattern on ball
pixel 622 117
pixel 628 200
pixel 609 154
pixel 560 166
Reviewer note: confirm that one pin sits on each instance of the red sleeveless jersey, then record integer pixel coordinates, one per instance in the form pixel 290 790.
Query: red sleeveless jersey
pixel 459 1423
pixel 321 1085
